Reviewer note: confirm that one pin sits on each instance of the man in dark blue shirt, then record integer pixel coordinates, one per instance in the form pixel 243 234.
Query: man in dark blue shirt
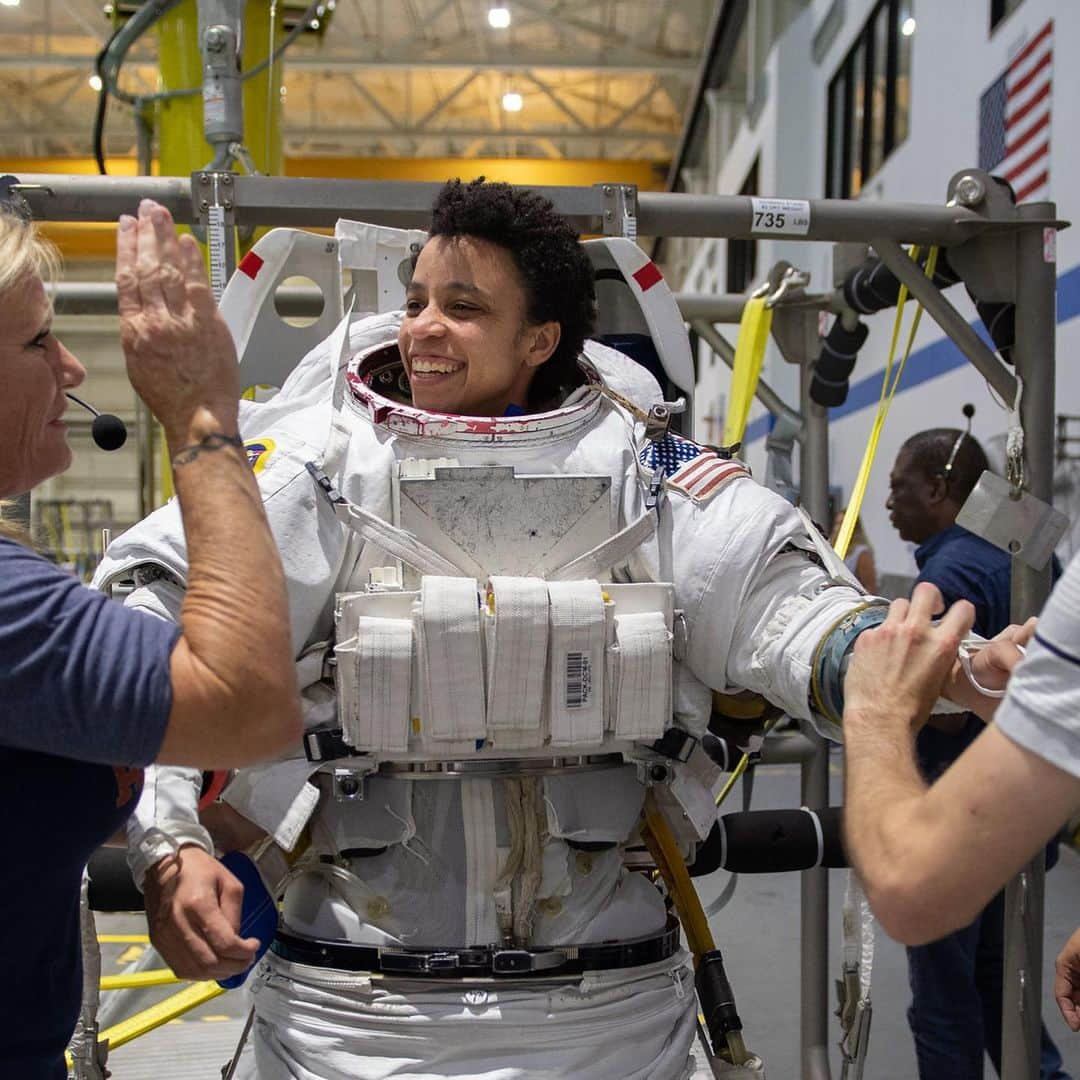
pixel 956 1003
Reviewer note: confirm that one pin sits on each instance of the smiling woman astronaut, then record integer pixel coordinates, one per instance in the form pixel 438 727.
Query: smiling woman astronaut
pixel 571 590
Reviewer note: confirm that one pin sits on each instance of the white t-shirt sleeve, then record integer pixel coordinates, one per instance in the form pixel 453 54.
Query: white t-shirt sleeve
pixel 1041 710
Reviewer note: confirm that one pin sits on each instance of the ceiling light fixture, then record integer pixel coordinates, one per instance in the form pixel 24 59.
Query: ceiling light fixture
pixel 9 3
pixel 512 102
pixel 499 17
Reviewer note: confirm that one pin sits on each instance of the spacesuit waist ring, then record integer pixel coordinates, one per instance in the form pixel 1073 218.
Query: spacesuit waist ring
pixel 483 961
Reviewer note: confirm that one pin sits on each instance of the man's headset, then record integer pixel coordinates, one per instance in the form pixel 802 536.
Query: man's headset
pixel 946 472
pixel 108 432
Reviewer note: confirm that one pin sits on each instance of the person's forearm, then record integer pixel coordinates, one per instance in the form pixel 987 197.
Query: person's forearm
pixel 235 606
pixel 887 834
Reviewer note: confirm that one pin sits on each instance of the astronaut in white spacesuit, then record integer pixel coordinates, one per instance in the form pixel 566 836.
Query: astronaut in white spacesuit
pixel 527 583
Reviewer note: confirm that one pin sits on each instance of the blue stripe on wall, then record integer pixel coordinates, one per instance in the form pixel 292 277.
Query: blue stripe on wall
pixel 927 363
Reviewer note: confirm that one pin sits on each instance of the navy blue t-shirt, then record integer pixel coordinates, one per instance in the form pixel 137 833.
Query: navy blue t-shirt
pixel 964 567
pixel 85 695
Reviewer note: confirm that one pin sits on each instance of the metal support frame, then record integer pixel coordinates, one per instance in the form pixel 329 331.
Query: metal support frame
pixel 306 202
pixel 946 316
pixel 303 202
pixel 763 392
pixel 1033 354
pixel 814 787
pixel 215 206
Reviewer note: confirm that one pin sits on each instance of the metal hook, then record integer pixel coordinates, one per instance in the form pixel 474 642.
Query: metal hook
pixel 793 279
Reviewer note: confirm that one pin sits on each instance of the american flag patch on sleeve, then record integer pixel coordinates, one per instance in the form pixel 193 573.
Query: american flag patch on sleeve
pixel 690 468
pixel 703 477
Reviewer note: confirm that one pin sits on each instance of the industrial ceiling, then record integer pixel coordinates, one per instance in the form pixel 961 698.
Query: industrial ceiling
pixel 397 79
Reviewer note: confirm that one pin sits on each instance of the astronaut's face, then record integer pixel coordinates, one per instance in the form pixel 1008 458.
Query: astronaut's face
pixel 465 340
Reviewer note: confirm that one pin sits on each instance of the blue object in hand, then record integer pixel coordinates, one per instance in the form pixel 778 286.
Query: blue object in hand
pixel 258 915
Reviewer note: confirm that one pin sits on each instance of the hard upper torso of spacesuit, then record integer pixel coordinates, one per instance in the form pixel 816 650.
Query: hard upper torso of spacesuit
pixel 524 841
pixel 504 719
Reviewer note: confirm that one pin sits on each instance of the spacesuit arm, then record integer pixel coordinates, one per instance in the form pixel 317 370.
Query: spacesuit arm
pixel 761 598
pixel 167 814
pixel 274 795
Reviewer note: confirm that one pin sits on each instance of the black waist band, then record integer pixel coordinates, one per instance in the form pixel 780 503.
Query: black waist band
pixel 481 961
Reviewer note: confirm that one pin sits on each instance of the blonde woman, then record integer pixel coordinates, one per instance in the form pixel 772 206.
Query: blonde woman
pixel 860 556
pixel 90 691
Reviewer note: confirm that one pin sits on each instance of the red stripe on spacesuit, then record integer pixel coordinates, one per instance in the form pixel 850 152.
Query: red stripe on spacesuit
pixel 690 470
pixel 648 276
pixel 705 476
pixel 717 478
pixel 250 264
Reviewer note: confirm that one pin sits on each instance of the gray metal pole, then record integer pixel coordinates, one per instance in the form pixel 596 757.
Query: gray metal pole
pixel 300 202
pixel 726 308
pixel 99 298
pixel 814 996
pixel 1036 286
pixel 947 317
pixel 763 392
pixel 144 426
pixel 786 749
pixel 671 214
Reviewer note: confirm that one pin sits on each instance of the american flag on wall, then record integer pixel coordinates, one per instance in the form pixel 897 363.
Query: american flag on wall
pixel 1014 119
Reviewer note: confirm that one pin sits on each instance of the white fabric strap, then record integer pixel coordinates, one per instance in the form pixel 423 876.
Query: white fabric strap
pixel 451 661
pixel 399 543
pixel 338 441
pixel 858 934
pixel 615 549
pixel 576 680
pixel 481 861
pixel 517 639
pixel 642 675
pixel 819 835
pixel 374 700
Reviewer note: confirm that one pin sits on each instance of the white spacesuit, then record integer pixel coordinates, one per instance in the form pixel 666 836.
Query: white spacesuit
pixel 572 589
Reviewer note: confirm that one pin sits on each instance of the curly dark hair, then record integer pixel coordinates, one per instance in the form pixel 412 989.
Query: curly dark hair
pixel 555 270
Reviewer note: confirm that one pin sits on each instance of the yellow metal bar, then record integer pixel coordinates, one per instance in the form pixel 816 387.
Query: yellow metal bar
pixel 156 977
pixel 123 939
pixel 191 997
pixel 510 170
pixel 540 171
pixel 665 852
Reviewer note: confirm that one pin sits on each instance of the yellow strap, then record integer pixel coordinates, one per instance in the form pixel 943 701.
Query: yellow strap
pixel 191 997
pixel 746 371
pixel 889 385
pixel 123 939
pixel 157 977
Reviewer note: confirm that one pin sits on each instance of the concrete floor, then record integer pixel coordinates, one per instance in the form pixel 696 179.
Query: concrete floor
pixel 759 935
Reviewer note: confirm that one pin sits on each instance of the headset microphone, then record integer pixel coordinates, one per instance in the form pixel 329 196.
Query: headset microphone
pixel 108 431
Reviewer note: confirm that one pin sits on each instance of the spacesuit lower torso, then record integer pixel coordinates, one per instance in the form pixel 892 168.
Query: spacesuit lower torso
pixel 483 789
